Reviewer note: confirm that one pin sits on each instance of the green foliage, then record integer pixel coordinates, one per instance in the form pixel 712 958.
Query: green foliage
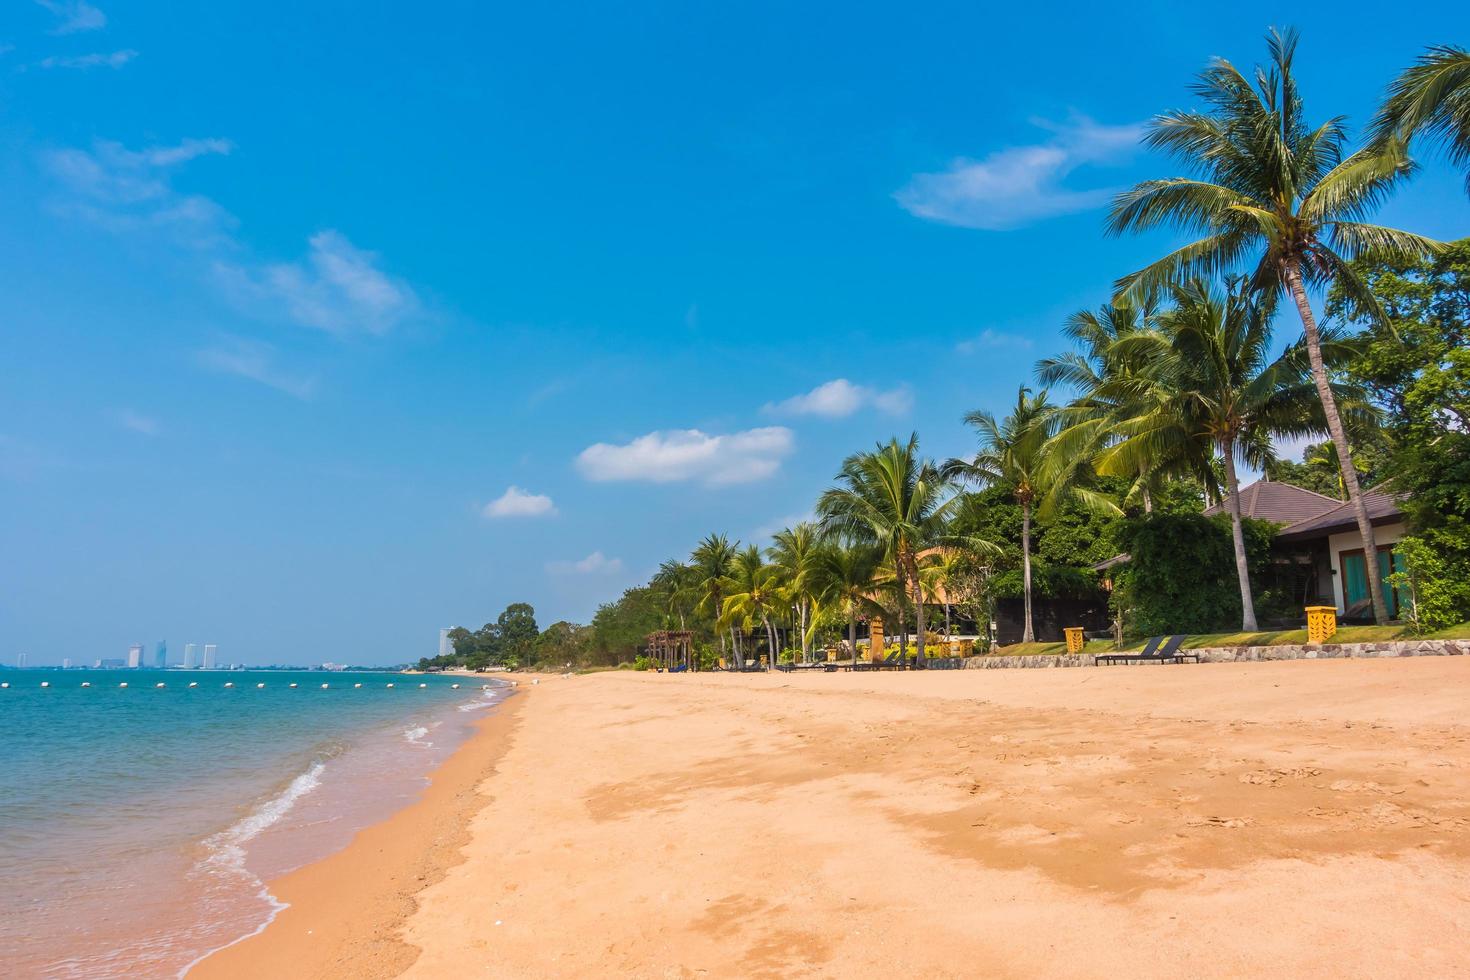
pixel 645 662
pixel 1181 578
pixel 1438 580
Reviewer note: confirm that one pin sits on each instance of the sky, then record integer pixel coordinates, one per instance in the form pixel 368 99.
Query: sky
pixel 324 326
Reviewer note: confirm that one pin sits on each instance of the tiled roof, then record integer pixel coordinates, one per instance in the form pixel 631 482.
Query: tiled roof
pixel 1280 503
pixel 1382 509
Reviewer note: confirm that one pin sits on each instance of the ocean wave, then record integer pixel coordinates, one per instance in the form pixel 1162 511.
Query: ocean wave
pixel 415 736
pixel 226 849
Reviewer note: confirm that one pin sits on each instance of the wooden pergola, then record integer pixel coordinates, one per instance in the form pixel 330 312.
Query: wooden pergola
pixel 672 648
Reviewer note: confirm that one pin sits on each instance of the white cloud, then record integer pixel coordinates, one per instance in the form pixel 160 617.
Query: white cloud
pixel 594 564
pixel 338 288
pixel 127 190
pixel 76 16
pixel 1018 185
pixel 841 398
pixel 689 454
pixel 85 62
pixel 516 502
pixel 255 361
pixel 988 339
pixel 136 422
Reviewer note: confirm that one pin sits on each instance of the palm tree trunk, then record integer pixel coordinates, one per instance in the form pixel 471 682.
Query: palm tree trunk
pixel 903 636
pixel 771 645
pixel 1242 568
pixel 918 614
pixel 1339 439
pixel 806 646
pixel 948 631
pixel 1148 498
pixel 1028 634
pixel 852 632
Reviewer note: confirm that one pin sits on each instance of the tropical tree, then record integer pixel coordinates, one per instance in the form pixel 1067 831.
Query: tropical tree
pixel 896 500
pixel 1014 453
pixel 1094 369
pixel 1431 99
pixel 794 551
pixel 843 577
pixel 712 561
pixel 1221 388
pixel 756 596
pixel 1273 192
pixel 679 586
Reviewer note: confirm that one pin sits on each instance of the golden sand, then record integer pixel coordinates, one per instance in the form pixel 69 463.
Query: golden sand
pixel 1307 818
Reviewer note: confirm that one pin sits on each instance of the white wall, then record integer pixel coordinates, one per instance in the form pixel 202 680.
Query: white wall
pixel 1350 541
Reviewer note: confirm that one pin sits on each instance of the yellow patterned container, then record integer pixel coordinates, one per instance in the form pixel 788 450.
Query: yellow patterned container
pixel 1321 623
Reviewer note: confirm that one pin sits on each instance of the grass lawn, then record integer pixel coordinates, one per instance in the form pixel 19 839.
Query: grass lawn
pixel 1345 634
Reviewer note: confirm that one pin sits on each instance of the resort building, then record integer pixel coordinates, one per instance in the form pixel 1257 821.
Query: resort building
pixel 135 655
pixel 209 650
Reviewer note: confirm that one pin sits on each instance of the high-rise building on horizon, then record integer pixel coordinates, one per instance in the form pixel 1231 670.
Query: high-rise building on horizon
pixel 160 655
pixel 135 655
pixel 446 645
pixel 21 659
pixel 209 651
pixel 66 663
pixel 189 651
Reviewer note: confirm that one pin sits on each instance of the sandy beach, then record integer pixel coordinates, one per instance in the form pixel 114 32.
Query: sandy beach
pixel 1306 818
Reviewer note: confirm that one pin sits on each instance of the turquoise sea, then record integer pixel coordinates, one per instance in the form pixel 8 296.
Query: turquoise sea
pixel 140 824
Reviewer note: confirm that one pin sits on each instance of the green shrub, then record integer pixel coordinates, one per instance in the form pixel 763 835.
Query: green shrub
pixel 1437 576
pixel 1181 578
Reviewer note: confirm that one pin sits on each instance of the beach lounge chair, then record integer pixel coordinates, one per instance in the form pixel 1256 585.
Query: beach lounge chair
pixel 1158 650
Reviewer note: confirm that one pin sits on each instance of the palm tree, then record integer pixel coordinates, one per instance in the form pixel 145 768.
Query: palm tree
pixel 1432 99
pixel 712 561
pixel 1211 361
pixel 794 551
pixel 1014 453
pixel 843 577
pixel 1279 194
pixel 755 595
pixel 1085 425
pixel 896 500
pixel 679 585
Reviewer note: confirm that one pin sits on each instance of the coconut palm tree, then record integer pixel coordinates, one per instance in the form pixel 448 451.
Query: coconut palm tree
pixel 1278 195
pixel 1014 453
pixel 678 584
pixel 894 499
pixel 1431 99
pixel 712 561
pixel 1211 359
pixel 755 595
pixel 843 576
pixel 1085 425
pixel 794 551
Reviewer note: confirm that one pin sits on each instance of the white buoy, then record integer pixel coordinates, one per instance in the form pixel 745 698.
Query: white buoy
pixel 454 687
pixel 193 683
pixel 45 683
pixel 159 684
pixel 86 683
pixel 4 684
pixel 423 685
pixel 227 684
pixel 293 683
pixel 260 685
pixel 390 685
pixel 123 684
pixel 358 684
pixel 324 687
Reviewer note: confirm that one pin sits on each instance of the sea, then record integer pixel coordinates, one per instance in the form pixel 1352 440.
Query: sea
pixel 143 813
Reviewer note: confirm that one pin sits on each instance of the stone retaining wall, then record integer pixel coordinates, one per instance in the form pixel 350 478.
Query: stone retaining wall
pixel 1325 651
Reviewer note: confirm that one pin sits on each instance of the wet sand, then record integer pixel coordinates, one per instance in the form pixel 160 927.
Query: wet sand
pixel 1305 818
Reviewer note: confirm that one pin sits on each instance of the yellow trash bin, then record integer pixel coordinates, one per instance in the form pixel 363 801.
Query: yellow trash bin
pixel 1074 639
pixel 1321 623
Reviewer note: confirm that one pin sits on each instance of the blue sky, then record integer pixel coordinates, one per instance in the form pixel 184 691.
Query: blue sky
pixel 328 325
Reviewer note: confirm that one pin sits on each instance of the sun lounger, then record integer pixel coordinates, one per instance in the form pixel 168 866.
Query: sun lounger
pixel 1158 650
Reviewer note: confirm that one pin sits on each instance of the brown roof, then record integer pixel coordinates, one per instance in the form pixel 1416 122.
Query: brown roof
pixel 1280 503
pixel 1382 509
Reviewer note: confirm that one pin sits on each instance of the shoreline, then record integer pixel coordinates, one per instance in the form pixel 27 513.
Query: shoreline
pixel 384 868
